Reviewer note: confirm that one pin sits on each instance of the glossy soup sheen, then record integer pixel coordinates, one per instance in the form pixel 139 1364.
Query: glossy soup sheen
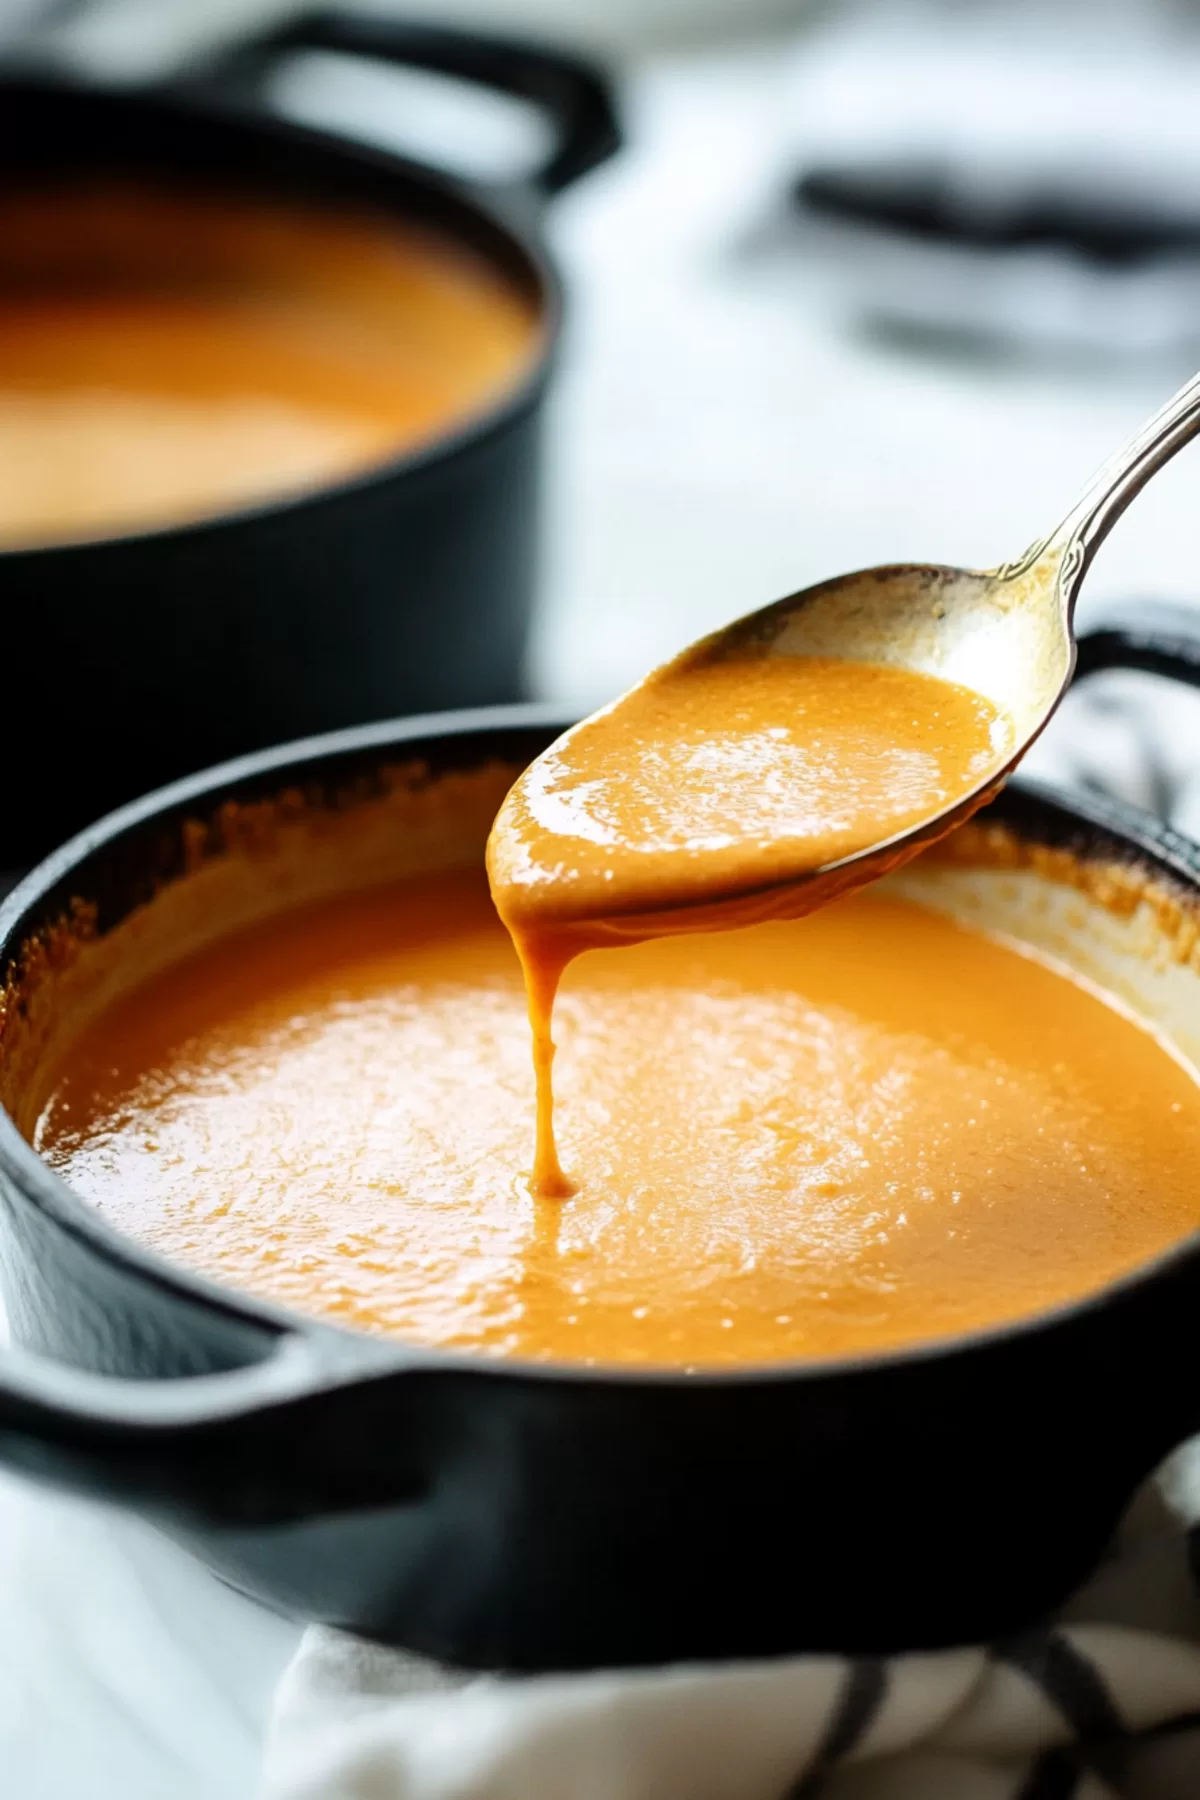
pixel 829 1134
pixel 165 356
pixel 743 781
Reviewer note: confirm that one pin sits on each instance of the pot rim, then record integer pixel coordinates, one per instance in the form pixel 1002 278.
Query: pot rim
pixel 349 1351
pixel 471 431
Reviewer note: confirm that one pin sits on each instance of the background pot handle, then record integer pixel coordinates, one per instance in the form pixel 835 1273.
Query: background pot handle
pixel 1156 638
pixel 573 93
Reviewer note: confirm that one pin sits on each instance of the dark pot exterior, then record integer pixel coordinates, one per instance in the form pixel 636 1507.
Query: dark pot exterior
pixel 552 1517
pixel 407 589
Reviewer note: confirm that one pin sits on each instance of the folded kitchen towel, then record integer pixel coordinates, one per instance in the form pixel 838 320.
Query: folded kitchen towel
pixel 1102 1702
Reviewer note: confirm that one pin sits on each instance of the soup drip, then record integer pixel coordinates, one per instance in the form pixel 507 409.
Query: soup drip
pixel 683 805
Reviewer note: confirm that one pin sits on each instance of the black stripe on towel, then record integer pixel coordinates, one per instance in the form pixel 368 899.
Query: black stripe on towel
pixel 1054 1776
pixel 1069 1680
pixel 864 1691
pixel 1193 1555
pixel 1172 1727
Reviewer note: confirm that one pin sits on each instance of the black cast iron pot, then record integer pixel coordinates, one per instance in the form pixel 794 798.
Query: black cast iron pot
pixel 405 589
pixel 556 1517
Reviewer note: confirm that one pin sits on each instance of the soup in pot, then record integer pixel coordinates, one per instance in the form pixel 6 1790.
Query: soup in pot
pixel 170 355
pixel 804 1138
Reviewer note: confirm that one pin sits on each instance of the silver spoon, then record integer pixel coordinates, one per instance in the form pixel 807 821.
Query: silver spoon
pixel 1007 633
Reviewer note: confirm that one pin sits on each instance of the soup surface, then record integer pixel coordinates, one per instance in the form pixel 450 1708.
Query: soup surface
pixel 164 356
pixel 710 781
pixel 830 1134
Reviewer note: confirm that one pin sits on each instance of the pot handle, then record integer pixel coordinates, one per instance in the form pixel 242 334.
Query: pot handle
pixel 218 1447
pixel 1156 638
pixel 574 94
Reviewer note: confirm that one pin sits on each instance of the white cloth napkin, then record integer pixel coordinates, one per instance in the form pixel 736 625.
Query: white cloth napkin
pixel 1102 1702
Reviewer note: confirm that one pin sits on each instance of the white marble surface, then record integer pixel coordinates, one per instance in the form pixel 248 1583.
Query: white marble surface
pixel 718 441
pixel 126 1671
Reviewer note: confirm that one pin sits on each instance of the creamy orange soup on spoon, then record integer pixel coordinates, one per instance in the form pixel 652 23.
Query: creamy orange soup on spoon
pixel 712 779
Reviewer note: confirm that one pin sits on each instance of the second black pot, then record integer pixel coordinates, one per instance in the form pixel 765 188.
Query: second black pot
pixel 135 659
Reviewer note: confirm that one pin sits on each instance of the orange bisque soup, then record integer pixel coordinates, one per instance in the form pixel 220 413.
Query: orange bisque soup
pixel 796 1137
pixel 169 354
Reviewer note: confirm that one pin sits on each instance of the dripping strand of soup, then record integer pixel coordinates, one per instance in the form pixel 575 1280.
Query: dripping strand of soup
pixel 717 793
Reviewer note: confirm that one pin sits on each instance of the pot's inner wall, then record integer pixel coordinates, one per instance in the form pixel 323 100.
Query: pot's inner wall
pixel 246 862
pixel 1117 924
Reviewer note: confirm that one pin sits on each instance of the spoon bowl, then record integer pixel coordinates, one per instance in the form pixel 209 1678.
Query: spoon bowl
pixel 1007 634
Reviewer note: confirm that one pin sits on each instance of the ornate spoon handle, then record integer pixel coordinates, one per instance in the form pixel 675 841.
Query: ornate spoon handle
pixel 1118 481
